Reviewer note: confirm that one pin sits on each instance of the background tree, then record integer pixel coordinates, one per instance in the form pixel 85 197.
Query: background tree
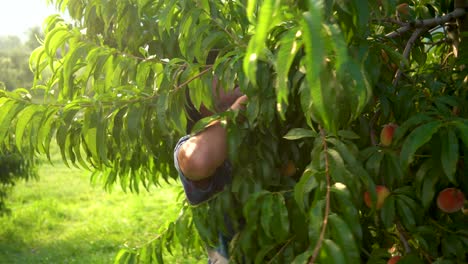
pixel 322 77
pixel 14 59
pixel 14 73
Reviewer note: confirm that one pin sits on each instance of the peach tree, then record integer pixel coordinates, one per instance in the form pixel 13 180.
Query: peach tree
pixel 356 98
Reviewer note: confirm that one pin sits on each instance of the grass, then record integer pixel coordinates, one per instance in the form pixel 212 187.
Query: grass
pixel 62 218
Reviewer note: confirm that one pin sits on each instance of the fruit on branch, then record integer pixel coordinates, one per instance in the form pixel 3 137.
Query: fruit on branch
pixel 455 110
pixel 382 194
pixel 288 169
pixel 393 260
pixel 386 135
pixel 403 9
pixel 450 200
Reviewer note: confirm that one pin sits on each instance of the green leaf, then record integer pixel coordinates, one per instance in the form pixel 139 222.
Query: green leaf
pixel 428 189
pixel 303 257
pixel 56 39
pixel 374 162
pixel 305 185
pixel 462 127
pixel 47 130
pixel 314 48
pixel 349 212
pixel 251 10
pixel 256 46
pixel 387 212
pixel 348 134
pixel 280 227
pixel 353 163
pixel 71 64
pixel 251 209
pixel 23 121
pixel 416 139
pixel 342 235
pixel 298 133
pixel 411 122
pixel 406 214
pixel 143 71
pixel 133 122
pixel 331 253
pixel 92 119
pixel 315 220
pixel 267 215
pixel 9 110
pixel 289 46
pixel 391 171
pixel 449 155
pixel 261 254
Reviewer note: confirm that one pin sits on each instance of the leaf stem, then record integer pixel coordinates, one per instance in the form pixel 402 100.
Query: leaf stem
pixel 327 200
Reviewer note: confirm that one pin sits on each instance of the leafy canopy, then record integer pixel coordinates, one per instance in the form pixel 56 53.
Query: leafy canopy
pixel 322 78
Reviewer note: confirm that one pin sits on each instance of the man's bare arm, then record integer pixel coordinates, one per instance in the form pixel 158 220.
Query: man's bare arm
pixel 202 154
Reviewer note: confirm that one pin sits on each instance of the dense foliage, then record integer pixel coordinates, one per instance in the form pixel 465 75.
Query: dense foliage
pixel 15 72
pixel 322 77
pixel 13 167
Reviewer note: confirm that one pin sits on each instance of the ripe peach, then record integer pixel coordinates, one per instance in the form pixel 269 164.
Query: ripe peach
pixel 288 169
pixel 403 9
pixel 450 200
pixel 382 194
pixel 386 135
pixel 393 260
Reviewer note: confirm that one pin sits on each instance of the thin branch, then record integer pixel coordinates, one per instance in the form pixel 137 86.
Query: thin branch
pixel 327 200
pixel 406 53
pixel 427 23
pixel 374 118
pixel 194 77
pixel 281 249
pixel 403 238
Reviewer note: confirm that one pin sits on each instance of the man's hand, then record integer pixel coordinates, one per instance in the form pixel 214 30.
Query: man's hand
pixel 240 103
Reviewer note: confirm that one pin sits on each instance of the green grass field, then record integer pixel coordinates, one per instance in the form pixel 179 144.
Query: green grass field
pixel 62 218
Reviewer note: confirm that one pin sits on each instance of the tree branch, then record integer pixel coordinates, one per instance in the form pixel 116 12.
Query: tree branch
pixel 427 23
pixel 194 77
pixel 404 241
pixel 327 201
pixel 406 53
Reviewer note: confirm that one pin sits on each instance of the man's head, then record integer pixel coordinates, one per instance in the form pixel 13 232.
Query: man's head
pixel 222 99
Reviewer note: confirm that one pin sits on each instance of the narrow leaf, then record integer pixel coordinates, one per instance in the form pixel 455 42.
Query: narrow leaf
pixel 343 236
pixel 417 139
pixel 298 133
pixel 449 155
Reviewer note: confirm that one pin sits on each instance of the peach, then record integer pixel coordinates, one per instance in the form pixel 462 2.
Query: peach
pixel 382 194
pixel 393 260
pixel 450 200
pixel 403 9
pixel 386 135
pixel 288 169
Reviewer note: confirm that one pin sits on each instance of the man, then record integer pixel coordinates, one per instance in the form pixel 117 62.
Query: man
pixel 201 161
